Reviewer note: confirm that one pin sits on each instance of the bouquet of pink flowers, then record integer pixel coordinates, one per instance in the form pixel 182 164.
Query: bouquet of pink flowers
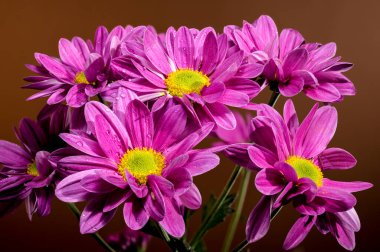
pixel 125 114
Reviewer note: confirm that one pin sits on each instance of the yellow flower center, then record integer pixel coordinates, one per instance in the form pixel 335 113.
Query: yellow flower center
pixel 186 81
pixel 306 168
pixel 80 78
pixel 32 170
pixel 141 162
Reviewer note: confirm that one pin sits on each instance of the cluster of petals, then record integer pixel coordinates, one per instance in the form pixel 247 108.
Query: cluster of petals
pixel 290 65
pixel 27 173
pixel 97 179
pixel 323 202
pixel 82 70
pixel 138 104
pixel 151 61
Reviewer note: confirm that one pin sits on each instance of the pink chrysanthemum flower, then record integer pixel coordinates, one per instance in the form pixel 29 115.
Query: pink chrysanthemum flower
pixel 197 69
pixel 137 159
pixel 82 70
pixel 291 66
pixel 292 159
pixel 27 173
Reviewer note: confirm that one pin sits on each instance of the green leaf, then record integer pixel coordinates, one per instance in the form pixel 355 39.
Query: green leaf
pixel 224 210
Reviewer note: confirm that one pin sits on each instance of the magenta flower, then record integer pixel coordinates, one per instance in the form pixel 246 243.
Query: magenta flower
pixel 129 240
pixel 292 159
pixel 81 72
pixel 289 65
pixel 27 174
pixel 140 160
pixel 327 81
pixel 194 68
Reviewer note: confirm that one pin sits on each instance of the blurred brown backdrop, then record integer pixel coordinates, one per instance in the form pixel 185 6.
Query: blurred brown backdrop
pixel 30 26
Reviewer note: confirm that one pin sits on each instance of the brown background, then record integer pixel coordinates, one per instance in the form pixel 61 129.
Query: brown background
pixel 30 26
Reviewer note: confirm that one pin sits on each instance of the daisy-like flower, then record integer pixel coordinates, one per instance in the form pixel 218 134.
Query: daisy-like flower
pixel 194 68
pixel 327 82
pixel 81 72
pixel 27 175
pixel 129 240
pixel 289 65
pixel 293 159
pixel 137 159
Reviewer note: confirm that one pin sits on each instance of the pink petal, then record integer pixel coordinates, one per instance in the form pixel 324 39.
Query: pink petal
pixel 210 54
pixel 336 158
pixel 289 40
pixel 155 52
pixel 184 48
pixel 290 117
pixel 222 116
pixel 70 55
pixel 299 231
pixel 259 220
pixel 173 222
pixel 135 215
pixel 169 127
pixel 139 124
pixel 314 136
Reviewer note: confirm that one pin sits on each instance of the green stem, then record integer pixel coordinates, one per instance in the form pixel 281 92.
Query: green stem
pixel 96 236
pixel 176 245
pixel 273 99
pixel 242 245
pixel 164 235
pixel 204 227
pixel 246 175
pixel 243 192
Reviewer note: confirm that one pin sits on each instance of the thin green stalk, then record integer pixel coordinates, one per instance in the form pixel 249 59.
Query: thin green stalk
pixel 243 191
pixel 274 98
pixel 241 246
pixel 96 236
pixel 246 175
pixel 203 229
pixel 164 234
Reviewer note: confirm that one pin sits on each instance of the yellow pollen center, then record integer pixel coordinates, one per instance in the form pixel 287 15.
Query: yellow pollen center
pixel 186 81
pixel 80 78
pixel 141 162
pixel 32 170
pixel 306 168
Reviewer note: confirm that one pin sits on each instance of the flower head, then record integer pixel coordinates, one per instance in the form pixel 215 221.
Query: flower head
pixel 82 70
pixel 293 159
pixel 196 69
pixel 291 66
pixel 27 173
pixel 137 159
